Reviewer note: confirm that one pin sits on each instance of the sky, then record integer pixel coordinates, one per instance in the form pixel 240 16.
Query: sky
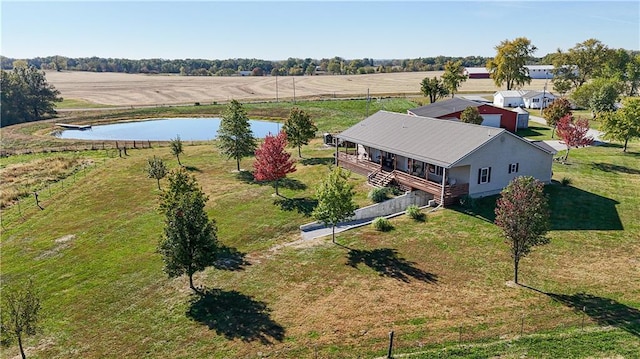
pixel 271 30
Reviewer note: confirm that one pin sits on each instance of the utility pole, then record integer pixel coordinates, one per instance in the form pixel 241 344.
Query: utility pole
pixel 368 100
pixel 544 90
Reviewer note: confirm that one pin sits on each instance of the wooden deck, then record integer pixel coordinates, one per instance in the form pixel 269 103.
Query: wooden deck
pixel 366 167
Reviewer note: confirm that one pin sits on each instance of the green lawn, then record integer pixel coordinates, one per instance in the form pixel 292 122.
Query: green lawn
pixel 73 103
pixel 91 252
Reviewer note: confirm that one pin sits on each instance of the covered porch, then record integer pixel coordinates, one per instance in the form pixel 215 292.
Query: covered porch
pixel 384 167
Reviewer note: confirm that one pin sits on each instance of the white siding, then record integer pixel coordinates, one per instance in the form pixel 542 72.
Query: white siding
pixel 498 154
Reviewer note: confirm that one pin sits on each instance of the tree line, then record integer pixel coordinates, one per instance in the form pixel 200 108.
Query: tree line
pixel 25 96
pixel 257 67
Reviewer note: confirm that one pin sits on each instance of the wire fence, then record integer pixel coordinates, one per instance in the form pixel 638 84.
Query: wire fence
pixel 118 146
pixel 427 338
pixel 35 197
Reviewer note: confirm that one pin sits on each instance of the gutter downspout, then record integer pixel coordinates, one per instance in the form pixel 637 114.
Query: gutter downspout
pixel 444 176
pixel 336 160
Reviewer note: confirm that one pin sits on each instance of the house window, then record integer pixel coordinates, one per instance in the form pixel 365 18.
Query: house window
pixel 536 100
pixel 513 168
pixel 484 175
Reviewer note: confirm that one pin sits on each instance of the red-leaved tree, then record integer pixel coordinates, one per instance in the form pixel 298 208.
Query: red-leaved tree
pixel 272 161
pixel 573 132
pixel 522 212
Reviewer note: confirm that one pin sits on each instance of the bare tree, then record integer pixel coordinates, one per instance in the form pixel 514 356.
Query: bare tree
pixel 20 307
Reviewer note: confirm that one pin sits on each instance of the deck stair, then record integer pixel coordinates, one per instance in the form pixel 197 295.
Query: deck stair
pixel 380 178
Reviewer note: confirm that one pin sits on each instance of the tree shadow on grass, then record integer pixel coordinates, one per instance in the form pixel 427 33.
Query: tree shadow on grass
pixel 304 206
pixel 483 208
pixel 317 161
pixel 246 177
pixel 533 131
pixel 603 311
pixel 608 167
pixel 596 212
pixel 386 262
pixel 289 183
pixel 617 145
pixel 230 259
pixel 192 169
pixel 235 315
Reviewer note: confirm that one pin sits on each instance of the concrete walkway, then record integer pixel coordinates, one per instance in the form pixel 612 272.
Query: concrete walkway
pixel 326 231
pixel 559 145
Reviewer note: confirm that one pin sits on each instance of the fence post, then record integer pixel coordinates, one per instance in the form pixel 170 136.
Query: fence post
pixel 35 194
pixel 389 353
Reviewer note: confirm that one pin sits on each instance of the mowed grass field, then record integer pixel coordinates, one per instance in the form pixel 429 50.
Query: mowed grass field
pixel 92 89
pixel 91 252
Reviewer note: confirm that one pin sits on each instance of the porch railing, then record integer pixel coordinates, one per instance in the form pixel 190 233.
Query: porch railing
pixel 368 168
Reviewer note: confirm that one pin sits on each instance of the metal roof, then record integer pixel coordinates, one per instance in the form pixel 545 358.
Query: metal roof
pixel 544 146
pixel 476 98
pixel 476 70
pixel 532 94
pixel 511 93
pixel 427 139
pixel 444 107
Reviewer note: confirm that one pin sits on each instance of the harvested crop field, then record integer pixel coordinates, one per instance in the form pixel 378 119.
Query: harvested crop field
pixel 119 89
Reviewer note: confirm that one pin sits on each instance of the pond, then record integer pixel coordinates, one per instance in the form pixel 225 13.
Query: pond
pixel 189 129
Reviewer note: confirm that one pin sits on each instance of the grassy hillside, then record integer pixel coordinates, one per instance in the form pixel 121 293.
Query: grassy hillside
pixel 91 252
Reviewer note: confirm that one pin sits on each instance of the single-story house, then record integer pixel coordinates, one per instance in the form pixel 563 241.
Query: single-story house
pixel 535 99
pixel 476 72
pixel 446 159
pixel 451 109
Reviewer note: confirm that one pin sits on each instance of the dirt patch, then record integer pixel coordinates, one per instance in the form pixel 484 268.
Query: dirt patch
pixel 65 239
pixel 61 244
pixel 119 89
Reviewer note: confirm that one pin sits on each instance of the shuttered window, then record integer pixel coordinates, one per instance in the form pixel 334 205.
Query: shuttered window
pixel 484 175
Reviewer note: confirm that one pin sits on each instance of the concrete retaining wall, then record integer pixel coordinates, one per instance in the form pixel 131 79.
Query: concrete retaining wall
pixel 388 207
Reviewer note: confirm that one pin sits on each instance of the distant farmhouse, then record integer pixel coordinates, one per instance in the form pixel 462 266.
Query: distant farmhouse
pixel 476 72
pixel 451 109
pixel 445 159
pixel 535 72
